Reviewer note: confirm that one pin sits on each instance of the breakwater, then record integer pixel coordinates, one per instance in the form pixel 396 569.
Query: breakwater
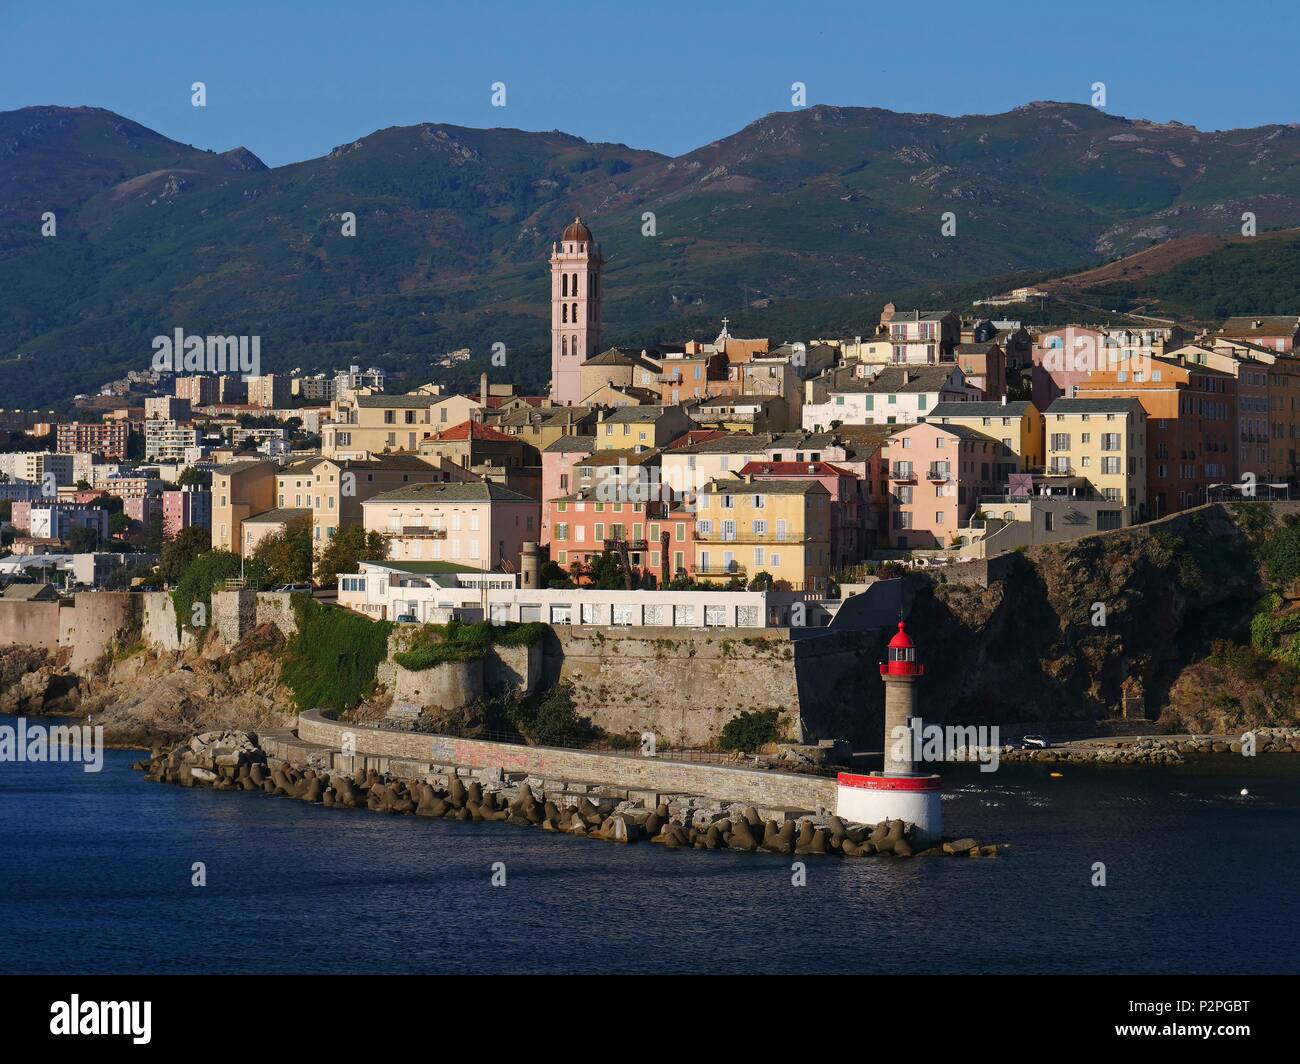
pixel 235 761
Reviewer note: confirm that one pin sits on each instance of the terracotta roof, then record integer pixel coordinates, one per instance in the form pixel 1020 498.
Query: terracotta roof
pixel 794 469
pixel 472 430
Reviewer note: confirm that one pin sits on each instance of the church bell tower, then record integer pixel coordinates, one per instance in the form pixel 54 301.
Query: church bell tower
pixel 575 310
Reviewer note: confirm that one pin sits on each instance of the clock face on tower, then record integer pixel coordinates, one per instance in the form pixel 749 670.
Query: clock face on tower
pixel 576 294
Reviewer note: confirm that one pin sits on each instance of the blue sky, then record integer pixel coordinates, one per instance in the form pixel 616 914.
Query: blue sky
pixel 292 80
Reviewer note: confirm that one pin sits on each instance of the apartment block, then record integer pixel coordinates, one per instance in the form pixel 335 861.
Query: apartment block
pixel 1018 428
pixel 1102 442
pixel 270 390
pixel 583 526
pixel 480 525
pixel 239 491
pixel 188 507
pixel 166 440
pixel 167 407
pixel 937 473
pixel 744 527
pixel 1191 433
pixel 107 438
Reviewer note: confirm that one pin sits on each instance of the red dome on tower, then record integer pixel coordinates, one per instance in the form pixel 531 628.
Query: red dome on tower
pixel 902 656
pixel 901 638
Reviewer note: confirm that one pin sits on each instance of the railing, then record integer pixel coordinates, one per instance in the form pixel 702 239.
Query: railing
pixel 416 531
pixel 753 537
pixel 939 473
pixel 632 544
pixel 902 473
pixel 734 569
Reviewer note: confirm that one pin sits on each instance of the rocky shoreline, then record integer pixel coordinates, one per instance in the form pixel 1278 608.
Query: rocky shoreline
pixel 233 761
pixel 1158 750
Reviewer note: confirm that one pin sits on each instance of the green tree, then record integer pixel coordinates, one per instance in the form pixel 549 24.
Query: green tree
pixel 179 553
pixel 287 555
pixel 553 575
pixel 347 550
pixel 1281 554
pixel 193 475
pixel 83 540
pixel 119 524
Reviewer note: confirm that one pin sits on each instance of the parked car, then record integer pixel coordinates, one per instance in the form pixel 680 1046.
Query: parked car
pixel 1036 742
pixel 407 618
pixel 295 587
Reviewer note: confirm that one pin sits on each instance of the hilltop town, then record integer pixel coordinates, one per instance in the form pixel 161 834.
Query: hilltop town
pixel 741 463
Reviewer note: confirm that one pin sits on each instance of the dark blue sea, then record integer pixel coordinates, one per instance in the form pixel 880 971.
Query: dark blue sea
pixel 96 872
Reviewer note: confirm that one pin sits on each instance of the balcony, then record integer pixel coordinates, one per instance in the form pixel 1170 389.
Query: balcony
pixel 734 569
pixel 415 532
pixel 632 544
pixel 752 537
pixel 941 473
pixel 902 474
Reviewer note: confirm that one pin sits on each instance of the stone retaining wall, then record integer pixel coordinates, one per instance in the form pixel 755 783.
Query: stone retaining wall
pixel 448 686
pixel 686 684
pixel 767 789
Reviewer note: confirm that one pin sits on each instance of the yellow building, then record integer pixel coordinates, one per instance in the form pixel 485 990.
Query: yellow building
pixel 1102 441
pixel 332 490
pixel 239 491
pixel 627 427
pixel 1019 427
pixel 367 425
pixel 744 527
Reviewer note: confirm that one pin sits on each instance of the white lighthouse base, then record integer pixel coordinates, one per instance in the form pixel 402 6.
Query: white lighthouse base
pixel 871 799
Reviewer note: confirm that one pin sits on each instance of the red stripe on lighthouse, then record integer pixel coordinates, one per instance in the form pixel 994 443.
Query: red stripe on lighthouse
pixel 889 783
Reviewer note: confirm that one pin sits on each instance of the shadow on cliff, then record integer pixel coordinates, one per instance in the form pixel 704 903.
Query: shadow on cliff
pixel 1094 629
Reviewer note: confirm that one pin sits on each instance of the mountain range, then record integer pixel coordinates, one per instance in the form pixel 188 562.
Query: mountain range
pixel 802 223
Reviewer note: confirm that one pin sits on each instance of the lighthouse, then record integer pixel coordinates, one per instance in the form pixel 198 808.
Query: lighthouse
pixel 900 672
pixel 899 792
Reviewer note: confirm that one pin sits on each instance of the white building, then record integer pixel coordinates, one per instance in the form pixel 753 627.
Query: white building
pixel 167 441
pixel 897 395
pixel 433 594
pixel 57 522
pixel 33 466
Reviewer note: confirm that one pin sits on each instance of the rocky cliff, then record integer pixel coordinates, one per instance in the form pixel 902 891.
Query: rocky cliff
pixel 1102 627
pixel 1152 623
pixel 145 698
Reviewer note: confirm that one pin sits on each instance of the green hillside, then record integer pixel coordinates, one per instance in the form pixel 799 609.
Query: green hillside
pixel 801 223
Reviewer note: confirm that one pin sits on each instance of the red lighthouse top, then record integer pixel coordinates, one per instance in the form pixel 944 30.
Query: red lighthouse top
pixel 902 656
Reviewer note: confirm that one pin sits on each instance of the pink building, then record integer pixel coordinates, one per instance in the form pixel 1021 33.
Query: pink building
pixel 582 527
pixel 189 507
pixel 937 474
pixel 142 508
pixel 558 478
pixel 1063 358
